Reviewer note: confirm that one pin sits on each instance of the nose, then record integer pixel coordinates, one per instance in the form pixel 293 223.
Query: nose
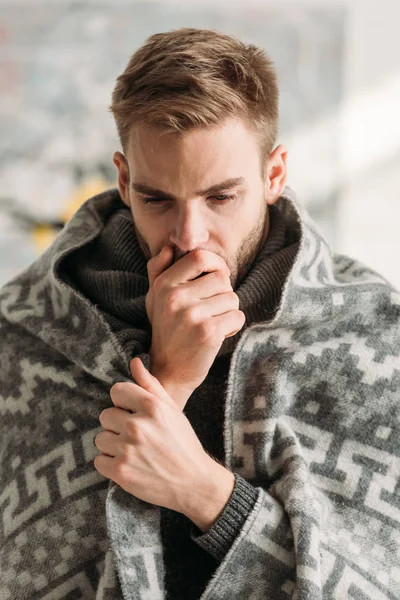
pixel 189 231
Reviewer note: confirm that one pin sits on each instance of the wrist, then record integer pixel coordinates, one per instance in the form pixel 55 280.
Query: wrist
pixel 177 392
pixel 207 499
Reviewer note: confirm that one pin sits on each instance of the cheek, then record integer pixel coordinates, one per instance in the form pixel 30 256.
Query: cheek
pixel 228 234
pixel 148 227
pixel 146 239
pixel 239 227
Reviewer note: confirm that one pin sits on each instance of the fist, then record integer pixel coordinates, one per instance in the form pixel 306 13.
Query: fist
pixel 192 308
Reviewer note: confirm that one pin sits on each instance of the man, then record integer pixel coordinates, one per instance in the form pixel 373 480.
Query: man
pixel 238 382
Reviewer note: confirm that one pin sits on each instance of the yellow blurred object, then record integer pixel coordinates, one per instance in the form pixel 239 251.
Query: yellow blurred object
pixel 43 235
pixel 90 187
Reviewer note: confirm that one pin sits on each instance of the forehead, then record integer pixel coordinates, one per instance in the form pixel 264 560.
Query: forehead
pixel 211 153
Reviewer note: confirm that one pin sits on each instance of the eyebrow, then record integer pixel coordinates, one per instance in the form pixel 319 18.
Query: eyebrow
pixel 141 188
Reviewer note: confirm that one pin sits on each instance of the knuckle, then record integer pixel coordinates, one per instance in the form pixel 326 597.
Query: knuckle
pixel 152 407
pixel 136 430
pixel 206 331
pixel 173 299
pixel 220 276
pixel 223 277
pixel 131 428
pixel 119 467
pixel 190 316
pixel 202 260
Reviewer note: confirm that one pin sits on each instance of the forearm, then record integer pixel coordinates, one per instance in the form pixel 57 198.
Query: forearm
pixel 175 390
pixel 218 539
pixel 208 500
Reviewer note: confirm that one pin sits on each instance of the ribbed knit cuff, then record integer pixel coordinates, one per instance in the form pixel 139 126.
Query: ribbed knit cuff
pixel 221 535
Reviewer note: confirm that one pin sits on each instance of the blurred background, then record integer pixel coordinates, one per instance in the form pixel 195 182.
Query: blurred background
pixel 338 63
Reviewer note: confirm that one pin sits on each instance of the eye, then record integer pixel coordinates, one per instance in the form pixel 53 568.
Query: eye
pixel 152 201
pixel 224 198
pixel 220 199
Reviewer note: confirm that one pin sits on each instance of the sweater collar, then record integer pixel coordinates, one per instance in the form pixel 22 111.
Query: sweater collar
pixel 111 271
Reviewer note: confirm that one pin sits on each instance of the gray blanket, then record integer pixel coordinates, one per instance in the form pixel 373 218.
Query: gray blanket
pixel 312 421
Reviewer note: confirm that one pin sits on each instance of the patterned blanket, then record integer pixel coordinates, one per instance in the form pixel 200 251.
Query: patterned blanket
pixel 312 421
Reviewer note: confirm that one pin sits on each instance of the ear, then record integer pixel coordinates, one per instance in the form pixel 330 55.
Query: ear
pixel 276 174
pixel 120 162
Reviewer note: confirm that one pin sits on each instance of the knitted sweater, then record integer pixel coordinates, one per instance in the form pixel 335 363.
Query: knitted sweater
pixel 106 271
pixel 311 422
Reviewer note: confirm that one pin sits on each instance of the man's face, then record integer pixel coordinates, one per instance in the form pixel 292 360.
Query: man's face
pixel 232 221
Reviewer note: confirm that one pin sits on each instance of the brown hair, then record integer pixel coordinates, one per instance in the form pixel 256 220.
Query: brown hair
pixel 187 78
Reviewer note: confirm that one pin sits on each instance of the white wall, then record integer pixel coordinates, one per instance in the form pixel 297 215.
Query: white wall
pixel 369 212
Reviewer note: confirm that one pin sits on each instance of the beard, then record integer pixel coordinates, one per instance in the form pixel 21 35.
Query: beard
pixel 240 264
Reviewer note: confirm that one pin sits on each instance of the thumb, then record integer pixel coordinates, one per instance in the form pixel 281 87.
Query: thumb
pixel 144 378
pixel 159 263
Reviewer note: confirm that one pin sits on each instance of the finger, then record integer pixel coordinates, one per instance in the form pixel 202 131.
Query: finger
pixel 113 419
pixel 230 323
pixel 214 307
pixel 107 443
pixel 159 263
pixel 128 396
pixel 209 285
pixel 149 382
pixel 145 379
pixel 194 264
pixel 105 465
